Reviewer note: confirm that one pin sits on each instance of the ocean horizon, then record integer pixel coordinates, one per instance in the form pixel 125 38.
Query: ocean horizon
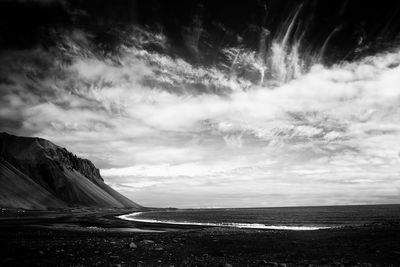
pixel 273 218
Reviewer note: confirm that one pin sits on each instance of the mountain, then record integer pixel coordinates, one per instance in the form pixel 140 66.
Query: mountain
pixel 37 174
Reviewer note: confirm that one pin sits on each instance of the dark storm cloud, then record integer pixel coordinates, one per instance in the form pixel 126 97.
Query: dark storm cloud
pixel 196 29
pixel 24 24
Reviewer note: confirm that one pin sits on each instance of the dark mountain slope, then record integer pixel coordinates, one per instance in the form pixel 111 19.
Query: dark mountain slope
pixel 19 191
pixel 37 174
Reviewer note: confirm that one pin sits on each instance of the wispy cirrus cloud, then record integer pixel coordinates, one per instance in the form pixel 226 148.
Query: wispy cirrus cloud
pixel 158 125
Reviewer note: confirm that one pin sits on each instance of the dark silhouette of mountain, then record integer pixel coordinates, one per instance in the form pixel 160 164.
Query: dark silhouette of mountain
pixel 37 174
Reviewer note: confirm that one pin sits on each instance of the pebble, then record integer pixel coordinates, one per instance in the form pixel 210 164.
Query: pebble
pixel 132 245
pixel 268 263
pixel 146 242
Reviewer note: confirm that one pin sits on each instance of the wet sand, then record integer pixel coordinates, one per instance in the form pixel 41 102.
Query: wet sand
pixel 98 238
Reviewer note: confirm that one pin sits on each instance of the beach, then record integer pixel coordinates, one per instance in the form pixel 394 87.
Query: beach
pixel 99 238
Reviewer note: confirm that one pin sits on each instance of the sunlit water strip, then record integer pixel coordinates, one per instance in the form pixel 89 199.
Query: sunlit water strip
pixel 133 217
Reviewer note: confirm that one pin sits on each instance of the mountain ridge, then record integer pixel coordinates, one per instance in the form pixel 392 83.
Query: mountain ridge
pixel 38 174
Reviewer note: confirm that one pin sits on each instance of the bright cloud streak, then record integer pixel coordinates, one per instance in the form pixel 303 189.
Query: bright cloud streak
pixel 167 133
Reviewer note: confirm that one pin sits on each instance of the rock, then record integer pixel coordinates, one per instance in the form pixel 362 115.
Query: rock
pixel 145 243
pixel 262 263
pixel 159 249
pixel 268 263
pixel 227 265
pixel 132 245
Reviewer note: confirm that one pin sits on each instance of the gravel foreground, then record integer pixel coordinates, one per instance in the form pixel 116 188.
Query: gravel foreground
pixel 87 239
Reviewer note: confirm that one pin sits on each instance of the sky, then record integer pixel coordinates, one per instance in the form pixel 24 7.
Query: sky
pixel 272 126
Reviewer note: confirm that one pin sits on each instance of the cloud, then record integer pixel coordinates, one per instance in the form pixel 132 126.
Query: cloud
pixel 157 123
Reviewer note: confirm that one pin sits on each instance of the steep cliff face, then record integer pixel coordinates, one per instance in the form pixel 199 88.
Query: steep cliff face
pixel 53 177
pixel 69 160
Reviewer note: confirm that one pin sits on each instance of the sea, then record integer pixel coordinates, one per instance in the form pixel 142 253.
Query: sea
pixel 282 218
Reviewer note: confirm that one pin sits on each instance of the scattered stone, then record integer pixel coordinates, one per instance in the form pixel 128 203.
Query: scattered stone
pixel 265 263
pixel 132 245
pixel 262 263
pixel 146 242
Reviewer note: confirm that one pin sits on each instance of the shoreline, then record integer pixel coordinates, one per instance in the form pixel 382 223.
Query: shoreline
pixel 132 217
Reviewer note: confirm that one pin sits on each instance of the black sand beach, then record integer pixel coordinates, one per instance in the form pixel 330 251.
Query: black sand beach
pixel 98 238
